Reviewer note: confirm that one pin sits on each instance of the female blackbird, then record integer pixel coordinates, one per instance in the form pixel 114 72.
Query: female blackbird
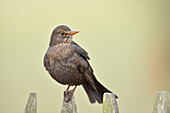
pixel 68 64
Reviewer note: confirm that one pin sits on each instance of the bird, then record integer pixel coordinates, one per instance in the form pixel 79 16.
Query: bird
pixel 68 64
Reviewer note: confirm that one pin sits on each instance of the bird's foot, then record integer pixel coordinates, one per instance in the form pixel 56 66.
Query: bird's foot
pixel 68 95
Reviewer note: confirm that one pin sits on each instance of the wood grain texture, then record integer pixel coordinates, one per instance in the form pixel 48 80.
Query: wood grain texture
pixel 162 102
pixel 31 106
pixel 69 106
pixel 110 104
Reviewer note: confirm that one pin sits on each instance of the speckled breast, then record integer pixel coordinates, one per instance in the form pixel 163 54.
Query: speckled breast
pixel 59 51
pixel 62 65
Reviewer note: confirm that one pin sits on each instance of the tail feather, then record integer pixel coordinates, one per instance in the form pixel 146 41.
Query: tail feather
pixel 95 91
pixel 90 95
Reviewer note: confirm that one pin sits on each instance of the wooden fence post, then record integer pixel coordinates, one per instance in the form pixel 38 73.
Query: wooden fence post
pixel 162 102
pixel 69 106
pixel 110 104
pixel 31 106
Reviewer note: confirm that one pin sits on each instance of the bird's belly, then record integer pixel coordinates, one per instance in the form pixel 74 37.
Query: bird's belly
pixel 67 73
pixel 62 66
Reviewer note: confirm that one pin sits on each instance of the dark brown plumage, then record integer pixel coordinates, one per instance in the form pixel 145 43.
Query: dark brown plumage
pixel 68 64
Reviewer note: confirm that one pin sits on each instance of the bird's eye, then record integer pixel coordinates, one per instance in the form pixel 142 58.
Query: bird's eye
pixel 62 33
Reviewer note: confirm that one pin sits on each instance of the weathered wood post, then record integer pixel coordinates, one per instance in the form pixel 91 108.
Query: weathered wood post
pixel 69 105
pixel 31 106
pixel 110 104
pixel 162 102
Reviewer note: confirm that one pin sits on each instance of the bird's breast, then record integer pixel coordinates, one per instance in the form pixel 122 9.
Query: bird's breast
pixel 59 51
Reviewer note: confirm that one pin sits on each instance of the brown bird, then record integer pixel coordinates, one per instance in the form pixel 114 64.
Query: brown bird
pixel 67 63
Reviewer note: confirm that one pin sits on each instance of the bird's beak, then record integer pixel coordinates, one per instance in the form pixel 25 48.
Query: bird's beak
pixel 73 32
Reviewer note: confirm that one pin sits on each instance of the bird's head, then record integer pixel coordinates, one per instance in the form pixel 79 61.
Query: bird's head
pixel 62 34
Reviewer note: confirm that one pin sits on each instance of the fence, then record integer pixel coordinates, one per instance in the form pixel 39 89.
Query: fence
pixel 162 104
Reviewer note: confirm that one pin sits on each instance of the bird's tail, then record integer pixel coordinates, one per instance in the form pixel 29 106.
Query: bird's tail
pixel 96 91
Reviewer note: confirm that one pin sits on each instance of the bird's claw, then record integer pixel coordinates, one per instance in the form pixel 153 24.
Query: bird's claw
pixel 68 95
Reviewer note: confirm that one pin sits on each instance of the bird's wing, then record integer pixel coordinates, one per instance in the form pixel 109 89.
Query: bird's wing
pixel 94 92
pixel 84 66
pixel 80 51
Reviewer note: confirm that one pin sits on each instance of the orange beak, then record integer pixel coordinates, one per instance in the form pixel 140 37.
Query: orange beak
pixel 74 32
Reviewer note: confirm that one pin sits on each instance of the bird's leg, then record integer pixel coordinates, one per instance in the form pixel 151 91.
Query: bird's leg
pixel 69 94
pixel 65 92
pixel 68 87
pixel 74 89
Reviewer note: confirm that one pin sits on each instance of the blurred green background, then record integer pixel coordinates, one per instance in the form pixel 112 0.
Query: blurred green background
pixel 128 42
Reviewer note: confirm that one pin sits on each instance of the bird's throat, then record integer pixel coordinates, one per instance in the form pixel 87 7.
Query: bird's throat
pixel 59 51
pixel 68 40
